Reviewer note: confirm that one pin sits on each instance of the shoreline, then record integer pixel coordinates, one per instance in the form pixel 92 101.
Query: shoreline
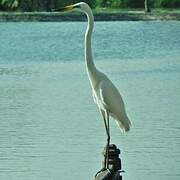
pixel 99 16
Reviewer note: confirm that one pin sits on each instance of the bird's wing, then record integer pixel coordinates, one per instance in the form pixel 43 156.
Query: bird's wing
pixel 112 101
pixel 110 96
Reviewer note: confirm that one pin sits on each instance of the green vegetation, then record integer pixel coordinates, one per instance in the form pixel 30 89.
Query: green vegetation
pixel 138 3
pixel 47 5
pixel 167 3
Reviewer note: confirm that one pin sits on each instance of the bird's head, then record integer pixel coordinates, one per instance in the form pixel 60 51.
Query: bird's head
pixel 82 6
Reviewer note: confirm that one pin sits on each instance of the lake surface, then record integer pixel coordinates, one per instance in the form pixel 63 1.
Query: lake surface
pixel 50 128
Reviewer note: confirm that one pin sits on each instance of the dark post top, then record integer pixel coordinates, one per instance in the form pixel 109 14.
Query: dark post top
pixel 114 168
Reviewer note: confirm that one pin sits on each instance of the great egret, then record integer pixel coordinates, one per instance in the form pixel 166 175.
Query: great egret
pixel 106 95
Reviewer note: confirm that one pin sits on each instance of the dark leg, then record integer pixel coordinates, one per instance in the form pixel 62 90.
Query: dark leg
pixel 106 155
pixel 106 123
pixel 108 141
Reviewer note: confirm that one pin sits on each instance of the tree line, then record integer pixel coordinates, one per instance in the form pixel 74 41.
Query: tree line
pixel 47 5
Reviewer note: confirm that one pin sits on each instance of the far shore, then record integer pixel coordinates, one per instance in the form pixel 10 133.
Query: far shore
pixel 100 15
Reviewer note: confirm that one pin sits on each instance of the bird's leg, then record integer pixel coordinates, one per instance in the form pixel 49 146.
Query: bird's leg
pixel 105 160
pixel 105 115
pixel 108 140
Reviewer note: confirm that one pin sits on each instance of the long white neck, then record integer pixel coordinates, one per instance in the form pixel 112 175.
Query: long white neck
pixel 88 50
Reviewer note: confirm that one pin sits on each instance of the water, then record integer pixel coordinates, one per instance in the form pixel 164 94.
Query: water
pixel 50 128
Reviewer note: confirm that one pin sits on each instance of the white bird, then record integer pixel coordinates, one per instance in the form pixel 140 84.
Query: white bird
pixel 106 95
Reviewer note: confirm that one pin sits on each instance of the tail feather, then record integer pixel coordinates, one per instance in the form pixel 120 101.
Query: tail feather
pixel 124 124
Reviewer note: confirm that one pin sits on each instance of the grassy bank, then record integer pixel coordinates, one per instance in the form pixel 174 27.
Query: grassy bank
pixel 100 15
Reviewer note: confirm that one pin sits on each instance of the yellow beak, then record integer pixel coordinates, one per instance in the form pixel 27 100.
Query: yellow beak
pixel 70 7
pixel 66 8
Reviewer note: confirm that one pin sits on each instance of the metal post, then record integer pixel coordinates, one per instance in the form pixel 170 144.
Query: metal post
pixel 114 166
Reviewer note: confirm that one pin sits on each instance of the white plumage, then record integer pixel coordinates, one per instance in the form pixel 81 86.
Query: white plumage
pixel 105 94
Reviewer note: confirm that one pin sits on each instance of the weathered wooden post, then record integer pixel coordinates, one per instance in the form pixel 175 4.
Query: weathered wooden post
pixel 113 172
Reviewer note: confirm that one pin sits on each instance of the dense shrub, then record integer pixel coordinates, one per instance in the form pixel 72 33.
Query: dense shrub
pixel 167 3
pixel 40 5
pixel 8 4
pixel 46 5
pixel 138 3
pixel 122 3
pixel 134 3
pixel 117 4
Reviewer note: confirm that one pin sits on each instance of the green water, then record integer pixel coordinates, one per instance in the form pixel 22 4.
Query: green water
pixel 50 128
